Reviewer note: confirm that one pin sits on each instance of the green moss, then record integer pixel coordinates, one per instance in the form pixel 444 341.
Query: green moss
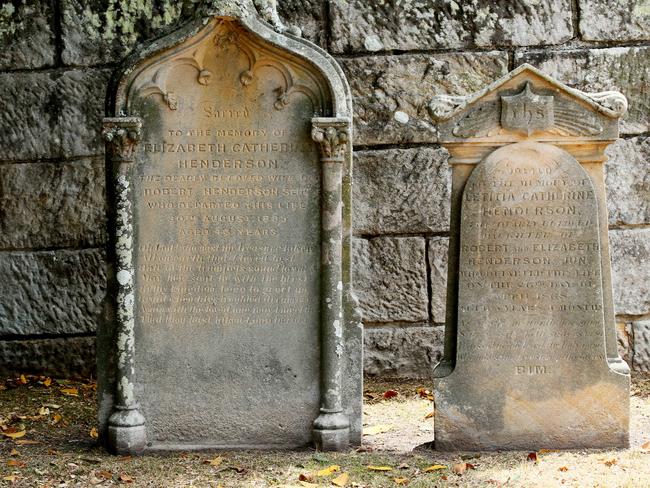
pixel 10 22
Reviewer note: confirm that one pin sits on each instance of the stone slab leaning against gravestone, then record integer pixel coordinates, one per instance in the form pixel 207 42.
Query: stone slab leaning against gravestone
pixel 230 321
pixel 530 357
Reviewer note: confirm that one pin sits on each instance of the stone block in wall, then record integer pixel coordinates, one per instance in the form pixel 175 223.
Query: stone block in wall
pixel 628 181
pixel 402 352
pixel 26 35
pixel 641 333
pixel 438 249
pixel 51 292
pixel 48 205
pixel 626 69
pixel 61 357
pixel 401 191
pixel 614 20
pixel 100 32
pixel 624 342
pixel 366 26
pixel 390 279
pixel 391 94
pixel 51 115
pixel 630 250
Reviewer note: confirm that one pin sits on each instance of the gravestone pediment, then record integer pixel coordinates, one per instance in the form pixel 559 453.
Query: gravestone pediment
pixel 530 356
pixel 234 322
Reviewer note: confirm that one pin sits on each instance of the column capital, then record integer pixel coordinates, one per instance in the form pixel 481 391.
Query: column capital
pixel 333 135
pixel 122 135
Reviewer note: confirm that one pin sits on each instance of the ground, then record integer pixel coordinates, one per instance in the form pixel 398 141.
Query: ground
pixel 49 440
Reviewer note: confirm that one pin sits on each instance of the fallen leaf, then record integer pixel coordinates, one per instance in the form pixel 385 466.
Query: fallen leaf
pixel 70 391
pixel 423 392
pixel 23 380
pixel 93 433
pixel 329 470
pixel 611 462
pixel 14 452
pixel 377 429
pixel 43 411
pixel 47 382
pixel 125 478
pixel 305 477
pixel 380 468
pixel 13 433
pixel 459 468
pixel 428 416
pixel 646 446
pixel 52 405
pixel 563 468
pixel 11 478
pixel 341 480
pixel 26 442
pixel 401 481
pixel 15 463
pixel 434 467
pixel 107 475
pixel 214 462
pixel 546 451
pixel 532 456
pixel 307 484
pixel 388 394
pixel 56 418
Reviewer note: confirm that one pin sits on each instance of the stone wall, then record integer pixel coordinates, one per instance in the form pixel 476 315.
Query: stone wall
pixel 57 56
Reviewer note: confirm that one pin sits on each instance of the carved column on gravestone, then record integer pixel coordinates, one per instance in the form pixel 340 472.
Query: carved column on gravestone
pixel 332 427
pixel 126 430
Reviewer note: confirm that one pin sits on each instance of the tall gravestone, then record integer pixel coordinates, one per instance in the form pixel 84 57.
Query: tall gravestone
pixel 231 320
pixel 530 355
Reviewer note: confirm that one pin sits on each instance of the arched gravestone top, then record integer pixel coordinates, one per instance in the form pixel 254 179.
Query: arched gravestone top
pixel 530 353
pixel 234 323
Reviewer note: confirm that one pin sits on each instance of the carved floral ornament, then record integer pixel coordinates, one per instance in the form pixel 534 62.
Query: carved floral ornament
pixel 227 34
pixel 332 139
pixel 122 135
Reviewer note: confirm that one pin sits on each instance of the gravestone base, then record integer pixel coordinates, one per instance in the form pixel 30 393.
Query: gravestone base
pixel 477 413
pixel 332 432
pixel 127 433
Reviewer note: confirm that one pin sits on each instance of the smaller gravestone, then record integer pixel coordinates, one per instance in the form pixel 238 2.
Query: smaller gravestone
pixel 530 348
pixel 233 321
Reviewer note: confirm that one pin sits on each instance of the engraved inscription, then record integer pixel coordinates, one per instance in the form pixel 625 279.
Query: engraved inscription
pixel 529 278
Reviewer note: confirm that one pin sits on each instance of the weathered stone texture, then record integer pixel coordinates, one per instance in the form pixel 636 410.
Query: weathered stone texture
pixel 438 249
pixel 52 204
pixel 641 333
pixel 390 279
pixel 53 292
pixel 27 117
pixel 391 93
pixel 401 190
pixel 626 69
pixel 26 35
pixel 614 20
pixel 630 251
pixel 624 342
pixel 363 26
pixel 628 181
pixel 48 115
pixel 81 95
pixel 62 357
pixel 409 352
pixel 99 31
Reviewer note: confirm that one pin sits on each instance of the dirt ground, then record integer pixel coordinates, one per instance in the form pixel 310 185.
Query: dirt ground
pixel 49 440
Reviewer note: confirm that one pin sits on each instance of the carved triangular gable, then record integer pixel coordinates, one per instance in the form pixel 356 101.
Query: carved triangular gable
pixel 527 104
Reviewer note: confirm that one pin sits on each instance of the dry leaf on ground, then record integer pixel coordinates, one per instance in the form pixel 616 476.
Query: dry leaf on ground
pixel 401 481
pixel 93 433
pixel 377 429
pixel 13 433
pixel 459 468
pixel 388 394
pixel 341 480
pixel 563 468
pixel 434 467
pixel 15 463
pixel 70 391
pixel 380 468
pixel 125 478
pixel 328 471
pixel 532 456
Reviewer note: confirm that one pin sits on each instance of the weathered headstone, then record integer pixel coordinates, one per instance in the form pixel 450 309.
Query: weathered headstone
pixel 233 320
pixel 530 348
